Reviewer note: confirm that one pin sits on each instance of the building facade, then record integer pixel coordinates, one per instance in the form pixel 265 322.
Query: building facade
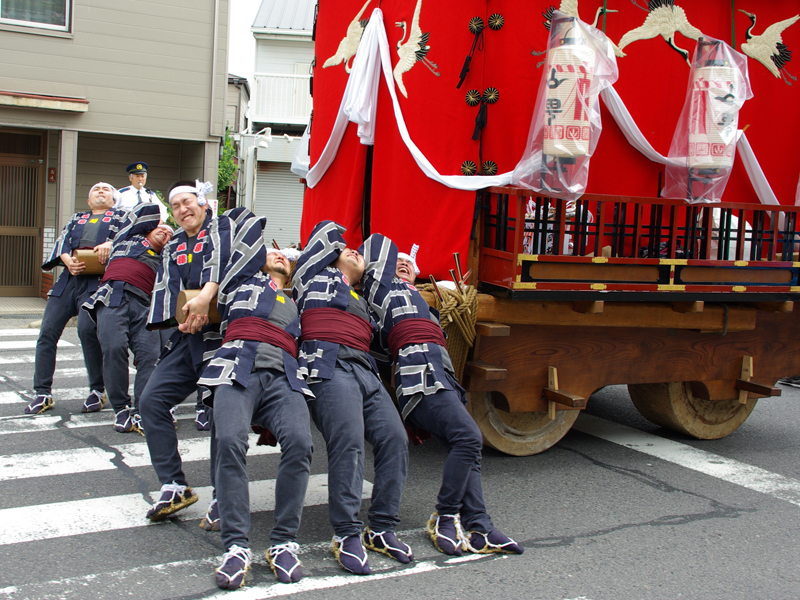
pixel 281 102
pixel 86 88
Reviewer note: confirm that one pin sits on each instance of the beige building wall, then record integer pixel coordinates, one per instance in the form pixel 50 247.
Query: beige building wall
pixel 145 67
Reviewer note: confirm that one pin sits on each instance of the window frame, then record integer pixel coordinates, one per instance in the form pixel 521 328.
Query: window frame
pixel 36 27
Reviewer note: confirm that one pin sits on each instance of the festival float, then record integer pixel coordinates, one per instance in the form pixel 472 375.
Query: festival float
pixel 623 193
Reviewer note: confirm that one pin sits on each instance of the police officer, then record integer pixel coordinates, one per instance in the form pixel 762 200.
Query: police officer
pixel 136 193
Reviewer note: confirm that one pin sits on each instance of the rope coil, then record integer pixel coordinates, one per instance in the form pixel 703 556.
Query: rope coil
pixel 458 315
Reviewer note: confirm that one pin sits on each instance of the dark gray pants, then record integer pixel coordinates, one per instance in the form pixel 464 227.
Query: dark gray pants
pixel 349 407
pixel 58 311
pixel 270 402
pixel 120 328
pixel 444 415
pixel 174 378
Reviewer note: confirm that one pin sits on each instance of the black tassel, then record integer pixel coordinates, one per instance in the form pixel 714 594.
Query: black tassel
pixel 480 120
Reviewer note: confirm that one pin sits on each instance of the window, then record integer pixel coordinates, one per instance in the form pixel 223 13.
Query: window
pixel 46 14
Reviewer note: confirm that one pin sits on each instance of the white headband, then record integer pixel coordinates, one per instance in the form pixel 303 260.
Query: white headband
pixel 411 257
pixel 199 189
pixel 291 253
pixel 114 191
pixel 167 227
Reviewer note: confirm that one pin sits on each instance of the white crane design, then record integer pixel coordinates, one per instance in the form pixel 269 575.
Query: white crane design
pixel 768 48
pixel 415 49
pixel 664 19
pixel 349 45
pixel 570 8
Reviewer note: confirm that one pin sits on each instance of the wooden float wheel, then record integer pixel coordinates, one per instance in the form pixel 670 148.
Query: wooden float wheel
pixel 518 434
pixel 672 405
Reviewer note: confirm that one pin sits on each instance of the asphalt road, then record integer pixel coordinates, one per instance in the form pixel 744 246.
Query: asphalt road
pixel 629 511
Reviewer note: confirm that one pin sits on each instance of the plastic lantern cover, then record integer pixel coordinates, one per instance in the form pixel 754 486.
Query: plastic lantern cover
pixel 566 122
pixel 704 144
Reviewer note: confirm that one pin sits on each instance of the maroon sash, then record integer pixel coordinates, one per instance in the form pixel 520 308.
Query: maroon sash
pixel 337 326
pixel 415 331
pixel 259 330
pixel 132 271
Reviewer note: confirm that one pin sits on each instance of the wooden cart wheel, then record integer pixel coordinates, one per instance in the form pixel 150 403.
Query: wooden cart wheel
pixel 518 434
pixel 672 405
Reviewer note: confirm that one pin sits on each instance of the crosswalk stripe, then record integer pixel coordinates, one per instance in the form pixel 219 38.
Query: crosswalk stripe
pixel 111 513
pixel 104 418
pixel 59 373
pixel 19 331
pixel 84 460
pixel 65 356
pixel 59 394
pixel 726 469
pixel 17 424
pixel 28 344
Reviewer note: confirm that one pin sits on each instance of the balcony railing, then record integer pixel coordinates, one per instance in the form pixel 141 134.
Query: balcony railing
pixel 281 99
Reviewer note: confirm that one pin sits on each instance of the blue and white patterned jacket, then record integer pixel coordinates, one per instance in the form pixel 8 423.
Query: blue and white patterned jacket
pixel 318 284
pixel 190 268
pixel 419 368
pixel 247 292
pixel 110 223
pixel 130 242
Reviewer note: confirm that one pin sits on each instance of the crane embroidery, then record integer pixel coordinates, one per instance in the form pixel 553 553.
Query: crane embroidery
pixel 768 48
pixel 414 49
pixel 664 19
pixel 349 45
pixel 570 8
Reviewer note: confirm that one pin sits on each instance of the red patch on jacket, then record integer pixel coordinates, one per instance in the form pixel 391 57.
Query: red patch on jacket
pixel 81 221
pixel 201 235
pixel 181 247
pixel 198 247
pixel 145 243
pixel 273 285
pixel 182 259
pixel 106 219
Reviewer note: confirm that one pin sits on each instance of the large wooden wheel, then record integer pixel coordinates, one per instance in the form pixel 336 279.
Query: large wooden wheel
pixel 672 405
pixel 518 434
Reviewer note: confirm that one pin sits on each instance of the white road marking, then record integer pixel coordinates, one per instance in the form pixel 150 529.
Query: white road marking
pixel 726 469
pixel 28 424
pixel 71 586
pixel 68 355
pixel 111 513
pixel 59 373
pixel 28 344
pixel 59 394
pixel 308 584
pixel 84 460
pixel 19 331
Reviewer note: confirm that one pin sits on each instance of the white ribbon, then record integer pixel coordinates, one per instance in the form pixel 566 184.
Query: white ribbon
pixel 359 104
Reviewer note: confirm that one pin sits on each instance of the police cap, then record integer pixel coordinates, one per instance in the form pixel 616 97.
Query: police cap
pixel 137 167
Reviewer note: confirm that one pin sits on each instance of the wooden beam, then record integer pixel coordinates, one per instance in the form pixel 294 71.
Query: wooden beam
pixel 482 370
pixel 784 307
pixel 757 388
pixel 659 315
pixel 747 373
pixel 688 307
pixel 492 329
pixel 588 307
pixel 565 398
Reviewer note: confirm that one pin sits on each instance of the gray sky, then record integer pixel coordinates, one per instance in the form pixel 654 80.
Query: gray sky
pixel 242 45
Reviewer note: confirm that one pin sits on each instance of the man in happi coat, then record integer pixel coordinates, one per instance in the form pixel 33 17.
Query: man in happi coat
pixel 254 378
pixel 92 229
pixel 351 403
pixel 193 260
pixel 430 398
pixel 120 308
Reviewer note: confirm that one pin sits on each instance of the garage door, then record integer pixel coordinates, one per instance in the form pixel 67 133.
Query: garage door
pixel 279 197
